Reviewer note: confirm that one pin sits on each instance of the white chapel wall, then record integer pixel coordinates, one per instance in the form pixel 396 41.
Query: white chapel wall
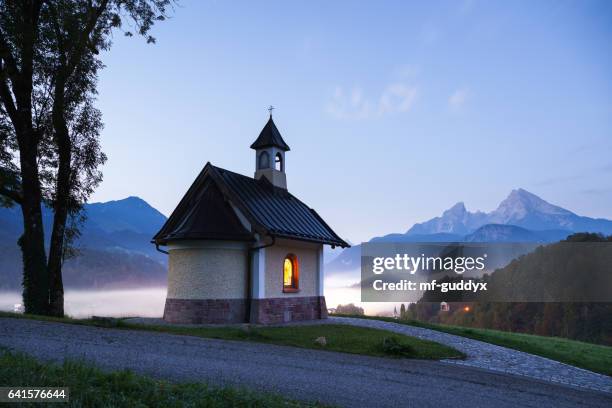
pixel 308 261
pixel 207 270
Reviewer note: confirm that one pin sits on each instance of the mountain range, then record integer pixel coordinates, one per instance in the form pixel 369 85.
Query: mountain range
pixel 114 247
pixel 521 208
pixel 521 217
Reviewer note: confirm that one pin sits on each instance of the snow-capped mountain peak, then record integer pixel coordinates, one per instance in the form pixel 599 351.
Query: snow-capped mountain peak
pixel 520 203
pixel 520 208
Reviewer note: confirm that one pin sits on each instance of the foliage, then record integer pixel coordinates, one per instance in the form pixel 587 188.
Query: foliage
pixel 349 309
pixel 588 237
pixel 590 322
pixel 90 387
pixel 392 346
pixel 49 126
pixel 548 270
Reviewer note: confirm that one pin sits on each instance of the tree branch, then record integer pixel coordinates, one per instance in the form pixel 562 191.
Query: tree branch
pixel 7 99
pixel 9 59
pixel 94 15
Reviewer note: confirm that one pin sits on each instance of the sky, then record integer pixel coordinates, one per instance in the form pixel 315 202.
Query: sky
pixel 394 111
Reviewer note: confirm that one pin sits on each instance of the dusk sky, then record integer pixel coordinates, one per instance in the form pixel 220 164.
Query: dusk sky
pixel 394 111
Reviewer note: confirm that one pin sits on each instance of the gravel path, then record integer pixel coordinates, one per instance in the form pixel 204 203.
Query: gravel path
pixel 492 357
pixel 333 378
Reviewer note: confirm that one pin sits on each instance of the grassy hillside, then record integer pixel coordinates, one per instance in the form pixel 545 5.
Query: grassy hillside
pixel 560 290
pixel 341 338
pixel 589 356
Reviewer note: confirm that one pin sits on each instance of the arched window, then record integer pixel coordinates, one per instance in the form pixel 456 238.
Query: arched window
pixel 278 162
pixel 264 160
pixel 291 275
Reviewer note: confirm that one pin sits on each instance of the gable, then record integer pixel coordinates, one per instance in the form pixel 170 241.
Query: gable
pixel 206 214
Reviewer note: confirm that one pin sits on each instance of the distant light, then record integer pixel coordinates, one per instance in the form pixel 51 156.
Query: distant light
pixel 466 309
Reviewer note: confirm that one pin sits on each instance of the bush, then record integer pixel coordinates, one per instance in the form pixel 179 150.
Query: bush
pixel 392 346
pixel 349 309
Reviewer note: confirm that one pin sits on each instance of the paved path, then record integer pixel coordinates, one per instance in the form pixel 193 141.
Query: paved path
pixel 333 378
pixel 492 357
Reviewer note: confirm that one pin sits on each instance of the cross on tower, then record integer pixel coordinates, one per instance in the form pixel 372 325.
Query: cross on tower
pixel 270 109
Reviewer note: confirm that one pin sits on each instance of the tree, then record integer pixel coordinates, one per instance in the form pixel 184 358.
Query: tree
pixel 49 127
pixel 349 309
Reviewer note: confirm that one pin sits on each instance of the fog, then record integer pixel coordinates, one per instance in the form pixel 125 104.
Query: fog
pixel 118 303
pixel 149 302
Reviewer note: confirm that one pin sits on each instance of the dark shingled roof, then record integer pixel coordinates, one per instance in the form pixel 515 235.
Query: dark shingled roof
pixel 270 137
pixel 270 210
pixel 204 215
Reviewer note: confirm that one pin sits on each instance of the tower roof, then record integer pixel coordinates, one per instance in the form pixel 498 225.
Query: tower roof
pixel 270 137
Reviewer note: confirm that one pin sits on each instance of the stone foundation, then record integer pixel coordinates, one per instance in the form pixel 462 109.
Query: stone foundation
pixel 196 311
pixel 288 309
pixel 263 311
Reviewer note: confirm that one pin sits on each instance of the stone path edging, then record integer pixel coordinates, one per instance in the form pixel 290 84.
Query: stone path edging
pixel 493 357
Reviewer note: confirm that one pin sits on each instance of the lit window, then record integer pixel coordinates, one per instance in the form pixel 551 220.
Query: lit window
pixel 290 274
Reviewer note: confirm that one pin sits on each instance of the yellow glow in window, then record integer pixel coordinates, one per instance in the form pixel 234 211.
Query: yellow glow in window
pixel 288 273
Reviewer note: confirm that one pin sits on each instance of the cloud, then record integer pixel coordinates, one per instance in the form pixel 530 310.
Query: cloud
pixel 349 104
pixel 397 98
pixel 458 99
pixel 353 104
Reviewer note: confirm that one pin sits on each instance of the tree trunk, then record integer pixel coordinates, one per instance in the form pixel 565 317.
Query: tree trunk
pixel 56 284
pixel 62 197
pixel 56 249
pixel 32 242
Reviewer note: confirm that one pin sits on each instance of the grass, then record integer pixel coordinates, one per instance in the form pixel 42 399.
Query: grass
pixel 91 387
pixel 594 357
pixel 341 338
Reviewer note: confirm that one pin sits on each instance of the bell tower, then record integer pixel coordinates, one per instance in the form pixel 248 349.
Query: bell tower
pixel 270 151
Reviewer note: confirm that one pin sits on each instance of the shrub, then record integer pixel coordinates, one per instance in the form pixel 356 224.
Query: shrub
pixel 392 346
